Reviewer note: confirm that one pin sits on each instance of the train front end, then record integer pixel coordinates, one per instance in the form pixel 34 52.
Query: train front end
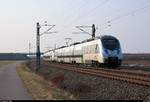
pixel 112 53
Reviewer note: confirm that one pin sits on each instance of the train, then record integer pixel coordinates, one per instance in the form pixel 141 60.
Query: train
pixel 102 50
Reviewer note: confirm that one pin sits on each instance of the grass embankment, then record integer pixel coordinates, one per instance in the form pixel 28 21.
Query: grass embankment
pixel 40 88
pixel 2 63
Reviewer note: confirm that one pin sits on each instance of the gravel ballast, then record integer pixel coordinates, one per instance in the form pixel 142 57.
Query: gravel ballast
pixel 84 86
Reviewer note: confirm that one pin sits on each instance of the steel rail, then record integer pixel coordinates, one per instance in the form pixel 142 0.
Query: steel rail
pixel 135 78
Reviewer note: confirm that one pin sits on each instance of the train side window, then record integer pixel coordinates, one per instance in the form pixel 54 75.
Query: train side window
pixel 96 48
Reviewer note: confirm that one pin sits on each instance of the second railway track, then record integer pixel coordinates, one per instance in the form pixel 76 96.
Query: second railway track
pixel 131 77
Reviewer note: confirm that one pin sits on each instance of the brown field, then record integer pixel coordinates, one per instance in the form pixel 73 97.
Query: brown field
pixel 136 62
pixel 143 59
pixel 91 87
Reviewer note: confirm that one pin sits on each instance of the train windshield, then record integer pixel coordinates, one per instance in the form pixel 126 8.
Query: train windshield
pixel 110 44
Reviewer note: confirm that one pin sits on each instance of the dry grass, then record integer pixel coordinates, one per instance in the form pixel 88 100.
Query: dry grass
pixel 5 63
pixel 2 63
pixel 39 88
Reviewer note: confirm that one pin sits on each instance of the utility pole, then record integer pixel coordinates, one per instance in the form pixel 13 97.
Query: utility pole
pixel 38 53
pixel 93 31
pixel 83 31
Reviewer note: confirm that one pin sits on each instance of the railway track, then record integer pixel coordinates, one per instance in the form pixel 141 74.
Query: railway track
pixel 131 77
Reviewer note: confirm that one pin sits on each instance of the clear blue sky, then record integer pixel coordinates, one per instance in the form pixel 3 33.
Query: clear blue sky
pixel 130 22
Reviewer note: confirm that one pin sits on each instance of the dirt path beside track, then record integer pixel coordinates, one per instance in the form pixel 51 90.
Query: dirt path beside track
pixel 11 86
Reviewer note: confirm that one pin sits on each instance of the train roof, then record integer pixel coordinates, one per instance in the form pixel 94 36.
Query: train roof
pixel 88 40
pixel 99 37
pixel 75 43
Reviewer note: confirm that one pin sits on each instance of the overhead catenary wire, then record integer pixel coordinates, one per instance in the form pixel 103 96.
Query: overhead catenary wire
pixel 91 11
pixel 129 13
pixel 95 8
pixel 80 7
pixel 76 19
pixel 126 14
pixel 66 19
pixel 108 23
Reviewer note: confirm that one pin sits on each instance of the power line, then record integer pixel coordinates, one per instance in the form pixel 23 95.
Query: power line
pixel 91 11
pixel 74 10
pixel 76 19
pixel 108 23
pixel 115 18
pixel 128 14
pixel 99 5
pixel 66 19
